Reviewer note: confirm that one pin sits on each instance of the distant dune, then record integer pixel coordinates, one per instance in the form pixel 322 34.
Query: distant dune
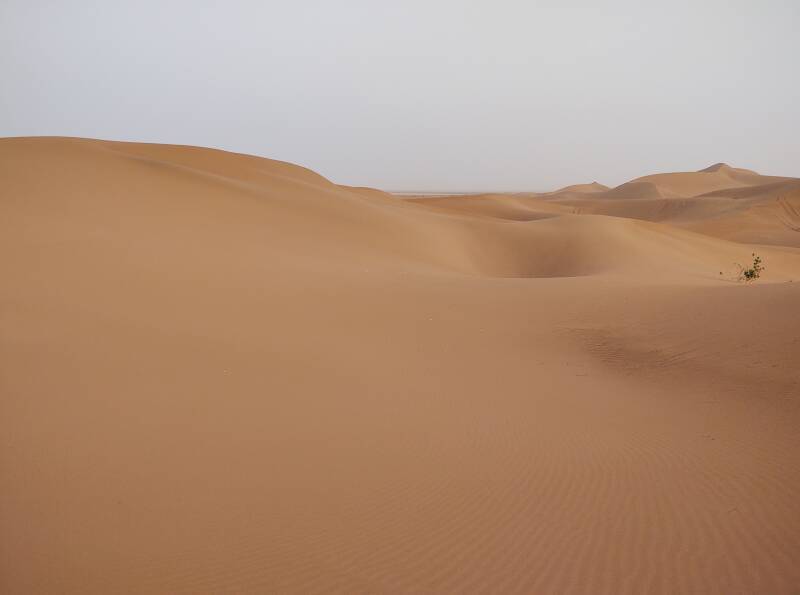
pixel 636 189
pixel 584 188
pixel 716 177
pixel 720 201
pixel 226 374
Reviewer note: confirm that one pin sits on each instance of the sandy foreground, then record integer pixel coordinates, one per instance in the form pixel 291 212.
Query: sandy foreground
pixel 226 374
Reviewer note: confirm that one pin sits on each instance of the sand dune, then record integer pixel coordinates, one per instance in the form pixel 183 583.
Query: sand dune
pixel 638 189
pixel 766 213
pixel 227 374
pixel 494 206
pixel 716 177
pixel 583 188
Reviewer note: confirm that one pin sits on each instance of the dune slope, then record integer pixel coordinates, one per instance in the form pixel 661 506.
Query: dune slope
pixel 227 374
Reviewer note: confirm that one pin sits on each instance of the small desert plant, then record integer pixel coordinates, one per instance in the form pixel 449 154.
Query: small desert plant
pixel 752 273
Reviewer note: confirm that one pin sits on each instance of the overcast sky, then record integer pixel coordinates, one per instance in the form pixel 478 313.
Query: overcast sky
pixel 419 94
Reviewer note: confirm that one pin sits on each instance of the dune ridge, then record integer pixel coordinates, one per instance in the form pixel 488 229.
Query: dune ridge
pixel 224 373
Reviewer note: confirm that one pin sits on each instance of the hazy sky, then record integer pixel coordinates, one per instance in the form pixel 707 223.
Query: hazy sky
pixel 419 94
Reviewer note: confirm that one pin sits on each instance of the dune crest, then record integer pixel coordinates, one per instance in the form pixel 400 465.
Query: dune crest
pixel 583 188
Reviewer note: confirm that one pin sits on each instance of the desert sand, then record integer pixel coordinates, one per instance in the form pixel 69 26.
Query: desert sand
pixel 225 374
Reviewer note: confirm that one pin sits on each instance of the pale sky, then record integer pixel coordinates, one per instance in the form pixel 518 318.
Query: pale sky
pixel 419 94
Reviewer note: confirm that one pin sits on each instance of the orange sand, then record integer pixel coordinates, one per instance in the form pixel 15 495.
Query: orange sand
pixel 226 374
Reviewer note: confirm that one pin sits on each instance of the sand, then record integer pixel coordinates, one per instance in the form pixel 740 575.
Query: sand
pixel 225 374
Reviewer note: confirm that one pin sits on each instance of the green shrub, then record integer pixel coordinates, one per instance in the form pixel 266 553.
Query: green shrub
pixel 752 273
